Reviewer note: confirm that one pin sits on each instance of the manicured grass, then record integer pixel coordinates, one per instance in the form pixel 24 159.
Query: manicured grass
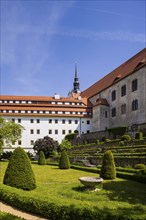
pixel 63 187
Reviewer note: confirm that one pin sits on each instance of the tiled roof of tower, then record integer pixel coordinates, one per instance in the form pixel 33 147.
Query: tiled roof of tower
pixel 131 65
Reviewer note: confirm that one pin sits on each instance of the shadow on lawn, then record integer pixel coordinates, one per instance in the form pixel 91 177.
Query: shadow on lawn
pixel 123 191
pixel 128 191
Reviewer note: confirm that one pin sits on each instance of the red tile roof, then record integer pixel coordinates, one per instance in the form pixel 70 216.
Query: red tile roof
pixel 127 68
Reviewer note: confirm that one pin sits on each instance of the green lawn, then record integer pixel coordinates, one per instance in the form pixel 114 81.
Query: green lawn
pixel 63 187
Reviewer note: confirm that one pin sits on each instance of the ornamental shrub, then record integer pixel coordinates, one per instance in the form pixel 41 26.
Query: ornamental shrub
pixel 19 173
pixel 64 162
pixel 139 135
pixel 126 137
pixel 107 140
pixel 42 159
pixel 108 169
pixel 140 166
pixel 70 136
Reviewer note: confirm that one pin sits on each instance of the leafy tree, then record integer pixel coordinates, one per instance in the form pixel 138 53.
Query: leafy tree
pixel 10 132
pixel 117 131
pixel 42 159
pixel 70 136
pixel 19 173
pixel 64 162
pixel 108 170
pixel 47 145
pixel 65 145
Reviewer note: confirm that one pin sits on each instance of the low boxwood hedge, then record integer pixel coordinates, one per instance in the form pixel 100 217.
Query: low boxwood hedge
pixel 54 211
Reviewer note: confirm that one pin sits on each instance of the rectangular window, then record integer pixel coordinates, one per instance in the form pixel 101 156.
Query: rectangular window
pixel 56 131
pixel 56 121
pixel 76 121
pixel 31 120
pixel 113 112
pixel 31 131
pixel 134 105
pixel 88 131
pixel 123 109
pixel 69 121
pixel 50 131
pixel 50 121
pixel 69 131
pixel 19 142
pixel 13 120
pixel 113 95
pixel 123 90
pixel 63 131
pixel 38 131
pixel 32 142
pixel 134 85
pixel 105 114
pixel 88 122
pixel 38 120
pixel 63 121
pixel 19 120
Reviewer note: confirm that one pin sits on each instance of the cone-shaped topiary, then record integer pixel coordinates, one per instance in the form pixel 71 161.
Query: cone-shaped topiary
pixel 19 173
pixel 108 170
pixel 42 159
pixel 64 162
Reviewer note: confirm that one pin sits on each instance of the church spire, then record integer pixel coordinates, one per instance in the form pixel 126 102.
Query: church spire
pixel 76 84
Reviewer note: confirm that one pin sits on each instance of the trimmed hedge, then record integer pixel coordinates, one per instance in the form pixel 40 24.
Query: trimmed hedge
pixel 108 170
pixel 139 135
pixel 64 162
pixel 53 211
pixel 42 159
pixel 19 173
pixel 8 216
pixel 126 137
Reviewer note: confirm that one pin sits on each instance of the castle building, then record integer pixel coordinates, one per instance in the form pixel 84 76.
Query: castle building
pixel 118 99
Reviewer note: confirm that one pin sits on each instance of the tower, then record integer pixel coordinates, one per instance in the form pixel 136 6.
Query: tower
pixel 76 84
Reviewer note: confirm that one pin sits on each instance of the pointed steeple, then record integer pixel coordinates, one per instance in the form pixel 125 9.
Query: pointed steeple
pixel 76 84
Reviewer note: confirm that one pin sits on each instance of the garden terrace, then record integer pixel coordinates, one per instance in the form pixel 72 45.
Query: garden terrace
pixel 130 154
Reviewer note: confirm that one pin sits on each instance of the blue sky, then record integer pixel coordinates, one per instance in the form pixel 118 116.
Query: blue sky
pixel 41 41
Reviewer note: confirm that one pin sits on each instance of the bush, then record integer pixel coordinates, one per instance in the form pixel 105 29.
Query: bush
pixel 139 136
pixel 139 166
pixel 70 136
pixel 142 172
pixel 108 169
pixel 97 142
pixel 41 160
pixel 64 162
pixel 107 140
pixel 126 137
pixel 19 173
pixel 117 131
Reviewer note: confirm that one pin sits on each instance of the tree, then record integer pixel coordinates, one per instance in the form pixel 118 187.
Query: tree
pixel 64 162
pixel 108 170
pixel 10 132
pixel 42 159
pixel 19 173
pixel 65 145
pixel 47 145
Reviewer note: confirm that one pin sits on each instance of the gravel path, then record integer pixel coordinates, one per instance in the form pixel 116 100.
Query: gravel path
pixel 14 211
